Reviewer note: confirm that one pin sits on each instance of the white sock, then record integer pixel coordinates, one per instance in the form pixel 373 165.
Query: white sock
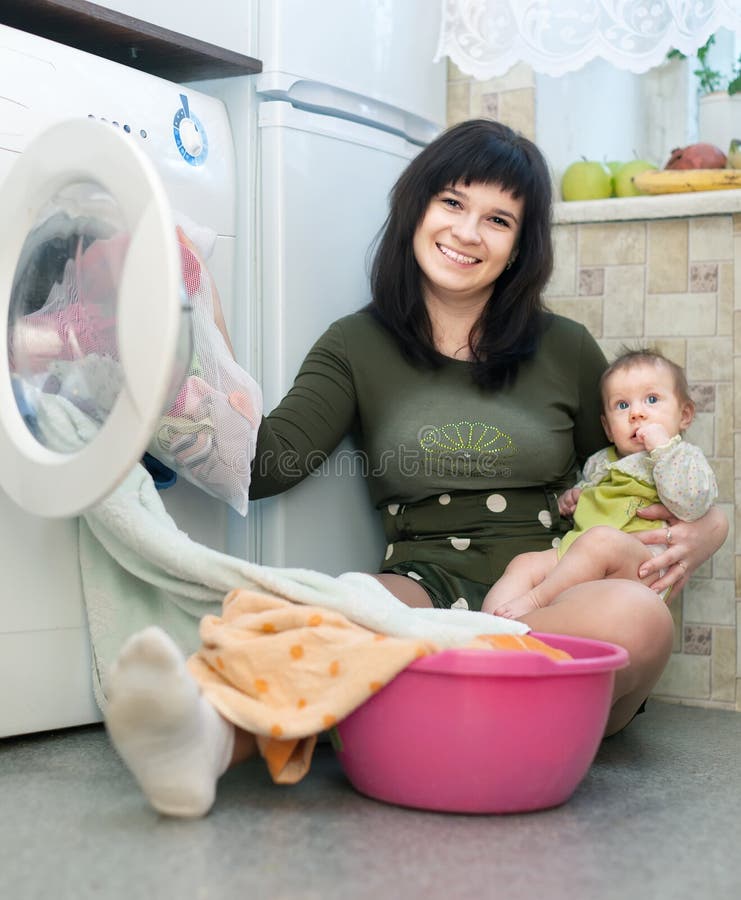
pixel 167 733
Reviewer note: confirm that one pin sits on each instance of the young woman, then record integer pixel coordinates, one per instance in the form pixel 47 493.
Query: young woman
pixel 475 407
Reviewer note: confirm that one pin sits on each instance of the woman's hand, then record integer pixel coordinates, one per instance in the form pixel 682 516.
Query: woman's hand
pixel 689 544
pixel 218 312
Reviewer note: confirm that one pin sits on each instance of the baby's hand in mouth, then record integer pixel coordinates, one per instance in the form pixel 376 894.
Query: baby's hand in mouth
pixel 652 436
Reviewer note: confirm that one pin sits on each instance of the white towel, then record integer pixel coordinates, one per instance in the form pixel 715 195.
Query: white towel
pixel 139 569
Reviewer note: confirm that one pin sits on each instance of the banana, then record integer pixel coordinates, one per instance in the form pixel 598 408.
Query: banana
pixel 674 181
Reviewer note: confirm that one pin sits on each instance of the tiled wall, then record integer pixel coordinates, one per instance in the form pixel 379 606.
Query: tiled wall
pixel 676 284
pixel 509 99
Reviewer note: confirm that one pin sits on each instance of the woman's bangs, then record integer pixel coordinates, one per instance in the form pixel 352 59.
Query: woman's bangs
pixel 505 166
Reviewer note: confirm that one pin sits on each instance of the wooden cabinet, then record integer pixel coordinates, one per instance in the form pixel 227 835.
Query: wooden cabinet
pixel 125 39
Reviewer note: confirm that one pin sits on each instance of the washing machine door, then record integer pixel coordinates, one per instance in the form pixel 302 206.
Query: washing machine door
pixel 96 337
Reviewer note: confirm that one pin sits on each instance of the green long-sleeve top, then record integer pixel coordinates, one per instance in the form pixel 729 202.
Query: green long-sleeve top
pixel 420 431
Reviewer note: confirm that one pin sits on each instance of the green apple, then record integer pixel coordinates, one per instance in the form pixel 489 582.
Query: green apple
pixel 613 166
pixel 624 186
pixel 586 180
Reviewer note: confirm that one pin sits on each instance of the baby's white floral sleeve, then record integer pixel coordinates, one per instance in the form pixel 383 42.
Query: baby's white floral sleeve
pixel 595 469
pixel 685 482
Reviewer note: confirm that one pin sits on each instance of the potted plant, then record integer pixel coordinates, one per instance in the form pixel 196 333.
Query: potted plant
pixel 719 105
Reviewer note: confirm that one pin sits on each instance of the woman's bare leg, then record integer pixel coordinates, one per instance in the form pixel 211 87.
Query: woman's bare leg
pixel 405 589
pixel 245 745
pixel 620 612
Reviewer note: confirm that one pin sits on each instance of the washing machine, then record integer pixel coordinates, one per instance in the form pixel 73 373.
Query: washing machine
pixel 92 150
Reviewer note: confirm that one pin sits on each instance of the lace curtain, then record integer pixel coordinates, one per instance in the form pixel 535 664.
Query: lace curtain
pixel 485 38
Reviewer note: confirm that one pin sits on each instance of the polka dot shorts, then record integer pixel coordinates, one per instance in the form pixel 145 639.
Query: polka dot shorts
pixel 456 545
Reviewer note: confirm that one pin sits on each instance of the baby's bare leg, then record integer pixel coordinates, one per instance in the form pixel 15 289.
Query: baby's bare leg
pixel 601 552
pixel 521 575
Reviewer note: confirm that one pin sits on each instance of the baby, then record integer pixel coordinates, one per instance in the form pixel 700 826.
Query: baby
pixel 647 407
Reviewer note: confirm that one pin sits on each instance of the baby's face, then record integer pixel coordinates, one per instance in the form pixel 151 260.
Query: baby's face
pixel 640 396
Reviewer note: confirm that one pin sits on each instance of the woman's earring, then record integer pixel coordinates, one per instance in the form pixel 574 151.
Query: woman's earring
pixel 509 262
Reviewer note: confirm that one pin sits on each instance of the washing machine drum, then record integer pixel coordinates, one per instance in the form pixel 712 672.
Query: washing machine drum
pixel 63 347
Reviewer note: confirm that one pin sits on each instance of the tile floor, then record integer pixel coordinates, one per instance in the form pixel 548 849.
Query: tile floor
pixel 658 816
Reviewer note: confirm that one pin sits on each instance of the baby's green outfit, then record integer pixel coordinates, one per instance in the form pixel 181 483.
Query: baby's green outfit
pixel 614 488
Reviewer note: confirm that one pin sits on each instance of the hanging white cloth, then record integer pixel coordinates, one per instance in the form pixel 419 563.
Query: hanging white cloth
pixel 485 38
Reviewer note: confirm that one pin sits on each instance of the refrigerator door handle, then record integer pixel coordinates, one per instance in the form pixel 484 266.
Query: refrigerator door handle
pixel 327 99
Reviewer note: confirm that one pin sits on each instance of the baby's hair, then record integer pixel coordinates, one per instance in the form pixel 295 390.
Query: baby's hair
pixel 652 357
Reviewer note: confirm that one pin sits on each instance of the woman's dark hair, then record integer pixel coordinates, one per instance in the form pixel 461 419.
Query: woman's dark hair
pixel 477 151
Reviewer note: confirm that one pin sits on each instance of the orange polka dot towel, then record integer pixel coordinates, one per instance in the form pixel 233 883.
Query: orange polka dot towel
pixel 286 671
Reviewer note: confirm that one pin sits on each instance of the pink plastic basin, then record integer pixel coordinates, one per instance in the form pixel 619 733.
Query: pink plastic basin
pixel 477 731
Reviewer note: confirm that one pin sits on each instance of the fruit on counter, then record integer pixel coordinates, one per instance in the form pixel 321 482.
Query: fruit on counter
pixel 586 179
pixel 734 154
pixel 623 179
pixel 613 165
pixel 697 156
pixel 675 181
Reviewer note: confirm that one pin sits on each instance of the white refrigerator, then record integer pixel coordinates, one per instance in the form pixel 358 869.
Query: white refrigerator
pixel 347 96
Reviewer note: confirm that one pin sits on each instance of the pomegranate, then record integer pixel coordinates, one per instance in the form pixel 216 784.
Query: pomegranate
pixel 697 156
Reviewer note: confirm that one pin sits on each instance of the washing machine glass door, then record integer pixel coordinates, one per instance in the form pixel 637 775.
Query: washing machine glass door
pixel 97 336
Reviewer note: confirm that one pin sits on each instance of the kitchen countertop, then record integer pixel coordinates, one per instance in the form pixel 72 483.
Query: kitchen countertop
pixel 656 206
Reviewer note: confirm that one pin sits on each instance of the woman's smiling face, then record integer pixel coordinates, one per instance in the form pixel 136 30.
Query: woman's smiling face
pixel 465 239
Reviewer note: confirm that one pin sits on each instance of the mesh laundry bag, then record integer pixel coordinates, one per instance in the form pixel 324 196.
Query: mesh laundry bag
pixel 208 435
pixel 63 353
pixel 62 344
